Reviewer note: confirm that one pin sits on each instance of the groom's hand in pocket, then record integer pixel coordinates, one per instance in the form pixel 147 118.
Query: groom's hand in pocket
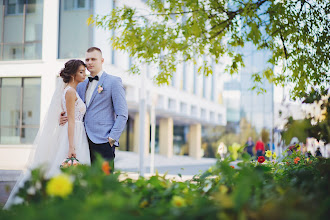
pixel 63 118
pixel 111 141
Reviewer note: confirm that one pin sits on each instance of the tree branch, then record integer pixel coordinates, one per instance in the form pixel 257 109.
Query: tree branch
pixel 284 48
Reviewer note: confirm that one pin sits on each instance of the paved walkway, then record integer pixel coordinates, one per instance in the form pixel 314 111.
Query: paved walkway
pixel 185 165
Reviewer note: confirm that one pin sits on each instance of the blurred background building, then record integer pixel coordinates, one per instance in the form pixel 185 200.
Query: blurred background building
pixel 38 36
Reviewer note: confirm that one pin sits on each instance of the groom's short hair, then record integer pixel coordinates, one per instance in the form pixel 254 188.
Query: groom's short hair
pixel 91 49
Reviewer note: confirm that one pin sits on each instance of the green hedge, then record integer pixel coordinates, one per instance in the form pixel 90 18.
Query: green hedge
pixel 292 189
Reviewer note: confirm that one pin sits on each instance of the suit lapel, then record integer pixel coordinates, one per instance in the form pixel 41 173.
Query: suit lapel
pixel 84 89
pixel 100 83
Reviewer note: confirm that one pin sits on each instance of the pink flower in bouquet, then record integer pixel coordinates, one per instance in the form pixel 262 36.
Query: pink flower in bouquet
pixel 75 163
pixel 69 163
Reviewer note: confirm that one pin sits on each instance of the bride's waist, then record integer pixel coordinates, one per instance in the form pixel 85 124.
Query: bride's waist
pixel 76 121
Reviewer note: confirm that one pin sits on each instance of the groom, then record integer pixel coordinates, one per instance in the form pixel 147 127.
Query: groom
pixel 106 108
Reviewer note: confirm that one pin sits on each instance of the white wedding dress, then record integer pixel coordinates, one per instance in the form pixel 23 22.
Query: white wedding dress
pixel 51 144
pixel 80 138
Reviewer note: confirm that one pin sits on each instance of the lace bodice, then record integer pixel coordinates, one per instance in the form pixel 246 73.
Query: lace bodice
pixel 80 107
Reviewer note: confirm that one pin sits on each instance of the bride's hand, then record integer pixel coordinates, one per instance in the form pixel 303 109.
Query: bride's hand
pixel 72 152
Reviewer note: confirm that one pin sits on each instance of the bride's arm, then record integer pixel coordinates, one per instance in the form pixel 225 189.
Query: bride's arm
pixel 70 98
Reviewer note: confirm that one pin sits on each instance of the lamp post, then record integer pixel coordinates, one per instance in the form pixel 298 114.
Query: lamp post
pixel 142 114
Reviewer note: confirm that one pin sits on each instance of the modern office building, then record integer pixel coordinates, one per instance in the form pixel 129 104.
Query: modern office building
pixel 243 102
pixel 38 36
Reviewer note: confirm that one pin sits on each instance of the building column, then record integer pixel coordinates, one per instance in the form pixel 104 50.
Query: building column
pixel 195 141
pixel 137 133
pixel 166 137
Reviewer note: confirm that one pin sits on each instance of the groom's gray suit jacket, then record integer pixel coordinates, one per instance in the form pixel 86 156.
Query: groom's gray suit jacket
pixel 107 113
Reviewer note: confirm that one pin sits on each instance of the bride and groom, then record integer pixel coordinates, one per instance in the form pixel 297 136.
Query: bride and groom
pixel 105 113
pixel 85 117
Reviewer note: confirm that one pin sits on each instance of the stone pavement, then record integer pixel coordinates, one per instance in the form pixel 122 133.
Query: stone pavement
pixel 185 165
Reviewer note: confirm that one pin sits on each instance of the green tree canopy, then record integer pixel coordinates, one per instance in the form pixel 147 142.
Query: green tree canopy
pixel 296 31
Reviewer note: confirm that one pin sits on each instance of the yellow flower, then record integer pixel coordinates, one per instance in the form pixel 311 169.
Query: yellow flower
pixel 274 155
pixel 223 189
pixel 144 204
pixel 60 185
pixel 268 153
pixel 178 201
pixel 185 191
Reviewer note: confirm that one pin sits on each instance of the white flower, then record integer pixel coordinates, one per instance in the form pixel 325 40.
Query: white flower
pixel 31 191
pixel 38 185
pixel 208 186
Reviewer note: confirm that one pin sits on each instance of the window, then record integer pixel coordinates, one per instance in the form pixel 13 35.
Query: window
pixel 70 5
pixel 171 104
pixel 184 76
pixel 14 7
pixel 203 113
pixel 160 102
pixel 20 110
pixel 74 35
pixel 113 51
pixel 130 62
pixel 21 30
pixel 204 86
pixel 195 80
pixel 173 80
pixel 213 81
pixel 219 118
pixel 183 108
pixel 193 110
pixel 212 116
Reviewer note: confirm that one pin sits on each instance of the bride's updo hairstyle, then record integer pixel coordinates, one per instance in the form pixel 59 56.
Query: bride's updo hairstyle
pixel 70 69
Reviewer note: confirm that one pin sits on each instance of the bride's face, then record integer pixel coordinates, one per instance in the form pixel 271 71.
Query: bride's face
pixel 80 74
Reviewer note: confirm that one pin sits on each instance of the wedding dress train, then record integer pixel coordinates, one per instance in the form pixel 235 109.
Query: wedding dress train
pixel 51 144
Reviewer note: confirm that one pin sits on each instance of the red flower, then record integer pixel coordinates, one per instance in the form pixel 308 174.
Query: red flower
pixel 232 167
pixel 106 168
pixel 261 159
pixel 296 160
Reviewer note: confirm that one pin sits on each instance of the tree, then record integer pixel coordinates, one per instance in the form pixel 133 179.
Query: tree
pixel 320 124
pixel 315 125
pixel 296 31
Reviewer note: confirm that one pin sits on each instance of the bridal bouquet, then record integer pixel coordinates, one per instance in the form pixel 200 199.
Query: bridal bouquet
pixel 68 162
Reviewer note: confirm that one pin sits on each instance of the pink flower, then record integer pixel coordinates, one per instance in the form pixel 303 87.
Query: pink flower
pixel 99 89
pixel 70 162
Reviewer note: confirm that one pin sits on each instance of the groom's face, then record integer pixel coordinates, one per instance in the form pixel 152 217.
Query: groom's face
pixel 94 62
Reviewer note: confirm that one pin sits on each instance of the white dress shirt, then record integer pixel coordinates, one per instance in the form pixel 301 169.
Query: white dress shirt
pixel 91 87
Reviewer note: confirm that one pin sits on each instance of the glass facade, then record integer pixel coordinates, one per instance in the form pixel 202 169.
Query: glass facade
pixel 20 110
pixel 195 80
pixel 241 101
pixel 113 51
pixel 184 76
pixel 21 29
pixel 75 36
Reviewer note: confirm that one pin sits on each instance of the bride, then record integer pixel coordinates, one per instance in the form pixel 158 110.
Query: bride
pixel 53 142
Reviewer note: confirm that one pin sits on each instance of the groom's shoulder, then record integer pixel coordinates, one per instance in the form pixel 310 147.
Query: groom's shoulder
pixel 82 83
pixel 112 77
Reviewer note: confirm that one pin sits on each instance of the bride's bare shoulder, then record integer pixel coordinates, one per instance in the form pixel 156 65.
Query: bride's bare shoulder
pixel 70 94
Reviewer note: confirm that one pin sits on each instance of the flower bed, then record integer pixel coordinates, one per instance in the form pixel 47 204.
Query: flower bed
pixel 292 189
